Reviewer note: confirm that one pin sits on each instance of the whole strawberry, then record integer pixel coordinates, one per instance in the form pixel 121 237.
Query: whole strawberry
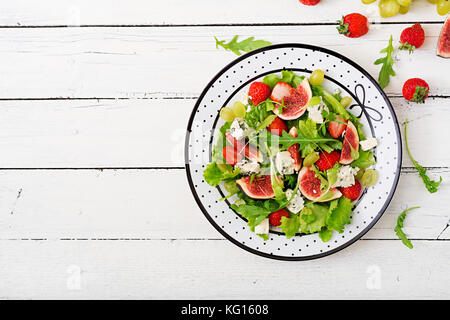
pixel 327 160
pixel 353 25
pixel 416 90
pixel 310 2
pixel 258 92
pixel 275 217
pixel 352 192
pixel 412 38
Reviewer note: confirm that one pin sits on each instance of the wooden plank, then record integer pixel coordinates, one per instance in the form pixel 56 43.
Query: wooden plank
pixel 68 12
pixel 151 132
pixel 172 62
pixel 158 204
pixel 214 270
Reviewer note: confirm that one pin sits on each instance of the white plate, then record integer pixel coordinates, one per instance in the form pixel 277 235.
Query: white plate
pixel 231 84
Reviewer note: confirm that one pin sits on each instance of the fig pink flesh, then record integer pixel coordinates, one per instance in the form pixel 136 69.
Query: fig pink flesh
pixel 309 184
pixel 295 102
pixel 351 140
pixel 259 188
pixel 443 46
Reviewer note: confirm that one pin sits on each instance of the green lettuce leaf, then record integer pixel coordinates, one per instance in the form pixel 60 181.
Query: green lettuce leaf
pixel 213 175
pixel 365 160
pixel 325 234
pixel 253 213
pixel 339 214
pixel 320 215
pixel 290 226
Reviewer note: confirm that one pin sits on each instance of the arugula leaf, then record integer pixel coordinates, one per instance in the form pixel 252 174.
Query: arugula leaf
pixel 398 228
pixel 339 214
pixel 431 185
pixel 266 122
pixel 320 215
pixel 286 140
pixel 290 226
pixel 246 45
pixel 325 234
pixel 365 160
pixel 308 129
pixel 386 69
pixel 213 175
pixel 290 180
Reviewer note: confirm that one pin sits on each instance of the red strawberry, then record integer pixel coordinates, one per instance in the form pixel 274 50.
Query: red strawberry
pixel 352 192
pixel 327 160
pixel 277 127
pixel 353 25
pixel 275 217
pixel 293 150
pixel 416 90
pixel 309 2
pixel 335 128
pixel 281 90
pixel 412 38
pixel 231 155
pixel 258 92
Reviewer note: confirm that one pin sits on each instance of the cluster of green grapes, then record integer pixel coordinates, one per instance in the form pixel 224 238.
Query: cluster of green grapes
pixel 389 8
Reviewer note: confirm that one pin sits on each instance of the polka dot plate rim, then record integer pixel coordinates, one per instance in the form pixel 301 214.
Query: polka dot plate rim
pixel 370 102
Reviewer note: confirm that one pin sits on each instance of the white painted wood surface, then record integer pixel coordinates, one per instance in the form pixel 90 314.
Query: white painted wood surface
pixel 88 178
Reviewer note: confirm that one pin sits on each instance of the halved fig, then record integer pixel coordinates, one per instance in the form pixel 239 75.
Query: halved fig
pixel 251 152
pixel 351 141
pixel 259 188
pixel 294 150
pixel 443 46
pixel 309 186
pixel 293 99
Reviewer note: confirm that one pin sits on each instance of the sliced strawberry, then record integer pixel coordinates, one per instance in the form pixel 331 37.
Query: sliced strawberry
pixel 231 156
pixel 353 191
pixel 242 148
pixel 281 90
pixel 294 150
pixel 336 128
pixel 327 160
pixel 275 217
pixel 277 127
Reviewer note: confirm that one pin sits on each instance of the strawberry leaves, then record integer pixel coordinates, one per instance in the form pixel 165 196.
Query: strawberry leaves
pixel 420 94
pixel 431 185
pixel 387 62
pixel 246 45
pixel 407 46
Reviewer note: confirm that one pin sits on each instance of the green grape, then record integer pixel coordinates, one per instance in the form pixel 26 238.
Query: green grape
pixel 388 8
pixel 404 3
pixel 368 1
pixel 433 1
pixel 316 77
pixel 227 114
pixel 346 102
pixel 360 174
pixel 369 177
pixel 403 10
pixel 443 7
pixel 239 109
pixel 314 101
pixel 311 159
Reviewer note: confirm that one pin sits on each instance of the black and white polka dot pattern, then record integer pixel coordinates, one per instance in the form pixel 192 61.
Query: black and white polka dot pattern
pixel 232 83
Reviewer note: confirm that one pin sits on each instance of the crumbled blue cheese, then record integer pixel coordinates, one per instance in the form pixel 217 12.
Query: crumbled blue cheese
pixel 315 111
pixel 239 129
pixel 284 162
pixel 297 203
pixel 368 144
pixel 263 227
pixel 346 176
pixel 248 167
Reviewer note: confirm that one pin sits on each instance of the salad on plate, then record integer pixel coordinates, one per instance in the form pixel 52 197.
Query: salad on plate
pixel 291 156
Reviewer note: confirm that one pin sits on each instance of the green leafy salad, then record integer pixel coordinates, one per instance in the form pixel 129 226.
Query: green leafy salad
pixel 291 157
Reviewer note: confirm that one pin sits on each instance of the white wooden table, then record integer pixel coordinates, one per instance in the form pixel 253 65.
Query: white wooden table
pixel 94 201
